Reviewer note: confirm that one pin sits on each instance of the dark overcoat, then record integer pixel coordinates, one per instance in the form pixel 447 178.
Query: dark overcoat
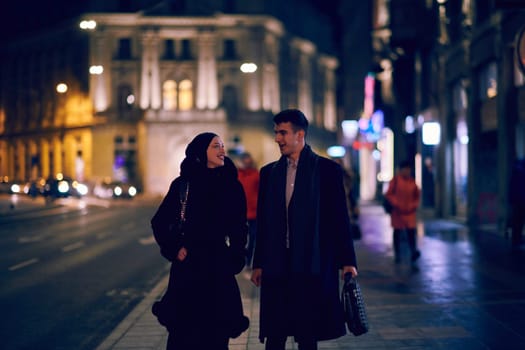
pixel 203 292
pixel 300 284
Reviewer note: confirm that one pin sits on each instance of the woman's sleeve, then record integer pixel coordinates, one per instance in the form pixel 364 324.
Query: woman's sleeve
pixel 163 222
pixel 238 232
pixel 240 222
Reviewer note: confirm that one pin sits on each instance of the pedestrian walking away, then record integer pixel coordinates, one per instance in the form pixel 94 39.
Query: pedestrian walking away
pixel 404 196
pixel 303 241
pixel 201 228
pixel 249 178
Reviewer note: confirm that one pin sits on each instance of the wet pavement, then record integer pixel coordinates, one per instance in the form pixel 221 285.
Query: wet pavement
pixel 467 291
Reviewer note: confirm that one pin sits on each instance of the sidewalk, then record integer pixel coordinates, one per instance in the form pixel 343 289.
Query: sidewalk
pixel 466 292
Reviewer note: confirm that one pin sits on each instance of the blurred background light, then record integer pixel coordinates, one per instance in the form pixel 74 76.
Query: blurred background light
pixel 336 151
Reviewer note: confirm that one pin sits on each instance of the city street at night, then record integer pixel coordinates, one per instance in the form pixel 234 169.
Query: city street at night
pixel 71 270
pixel 108 106
pixel 466 292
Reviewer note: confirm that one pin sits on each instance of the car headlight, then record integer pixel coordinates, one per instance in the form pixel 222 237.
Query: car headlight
pixel 63 187
pixel 117 191
pixel 132 191
pixel 82 189
pixel 15 188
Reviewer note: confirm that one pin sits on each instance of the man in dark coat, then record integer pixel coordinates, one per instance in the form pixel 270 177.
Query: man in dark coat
pixel 303 240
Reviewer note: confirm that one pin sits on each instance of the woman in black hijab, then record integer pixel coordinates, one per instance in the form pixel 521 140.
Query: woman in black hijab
pixel 202 307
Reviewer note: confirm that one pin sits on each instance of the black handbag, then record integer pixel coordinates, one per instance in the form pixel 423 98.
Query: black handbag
pixel 354 306
pixel 164 311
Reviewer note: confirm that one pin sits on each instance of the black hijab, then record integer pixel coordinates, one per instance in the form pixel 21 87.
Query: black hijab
pixel 195 165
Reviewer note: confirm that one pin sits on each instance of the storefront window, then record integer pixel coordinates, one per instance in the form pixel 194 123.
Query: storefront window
pixel 488 82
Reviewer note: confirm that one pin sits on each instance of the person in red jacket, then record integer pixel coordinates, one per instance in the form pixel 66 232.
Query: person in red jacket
pixel 249 178
pixel 404 194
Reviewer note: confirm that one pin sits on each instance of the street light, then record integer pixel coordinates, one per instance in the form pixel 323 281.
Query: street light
pixel 431 133
pixel 248 67
pixel 61 88
pixel 96 70
pixel 88 25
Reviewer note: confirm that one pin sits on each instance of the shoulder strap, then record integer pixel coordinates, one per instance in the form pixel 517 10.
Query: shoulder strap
pixel 183 194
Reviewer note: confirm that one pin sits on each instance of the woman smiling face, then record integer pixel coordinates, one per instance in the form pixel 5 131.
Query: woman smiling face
pixel 215 153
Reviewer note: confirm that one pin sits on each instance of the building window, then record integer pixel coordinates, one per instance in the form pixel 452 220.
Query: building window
pixel 124 49
pixel 185 95
pixel 169 95
pixel 125 158
pixel 229 50
pixel 169 49
pixel 186 49
pixel 126 100
pixel 177 96
pixel 488 82
pixel 460 100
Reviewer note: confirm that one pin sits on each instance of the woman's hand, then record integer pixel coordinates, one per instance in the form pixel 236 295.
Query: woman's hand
pixel 182 254
pixel 256 277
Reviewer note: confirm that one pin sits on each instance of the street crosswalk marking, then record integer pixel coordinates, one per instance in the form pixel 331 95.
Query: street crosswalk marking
pixel 23 264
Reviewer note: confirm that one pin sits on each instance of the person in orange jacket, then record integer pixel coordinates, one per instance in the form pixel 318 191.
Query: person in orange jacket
pixel 249 178
pixel 404 195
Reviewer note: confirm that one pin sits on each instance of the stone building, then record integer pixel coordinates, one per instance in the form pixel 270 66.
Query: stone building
pixel 139 85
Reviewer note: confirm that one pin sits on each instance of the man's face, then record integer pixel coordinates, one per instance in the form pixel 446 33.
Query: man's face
pixel 247 162
pixel 289 141
pixel 405 172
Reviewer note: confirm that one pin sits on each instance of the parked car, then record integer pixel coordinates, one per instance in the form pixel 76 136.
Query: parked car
pixel 16 187
pixel 35 188
pixel 62 187
pixel 5 184
pixel 114 189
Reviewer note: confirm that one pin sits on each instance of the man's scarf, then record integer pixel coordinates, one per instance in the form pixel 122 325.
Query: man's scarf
pixel 303 216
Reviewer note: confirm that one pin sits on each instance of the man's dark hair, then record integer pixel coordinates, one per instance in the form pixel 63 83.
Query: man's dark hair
pixel 294 116
pixel 405 164
pixel 245 155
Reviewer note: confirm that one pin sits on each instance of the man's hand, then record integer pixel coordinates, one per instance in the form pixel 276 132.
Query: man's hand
pixel 256 277
pixel 349 269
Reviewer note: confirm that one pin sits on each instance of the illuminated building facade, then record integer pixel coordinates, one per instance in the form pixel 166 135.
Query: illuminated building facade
pixel 452 64
pixel 141 85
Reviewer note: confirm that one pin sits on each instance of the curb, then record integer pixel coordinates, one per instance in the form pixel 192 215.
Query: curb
pixel 143 307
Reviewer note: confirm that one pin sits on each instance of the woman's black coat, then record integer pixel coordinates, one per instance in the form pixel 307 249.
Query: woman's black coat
pixel 202 291
pixel 296 300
